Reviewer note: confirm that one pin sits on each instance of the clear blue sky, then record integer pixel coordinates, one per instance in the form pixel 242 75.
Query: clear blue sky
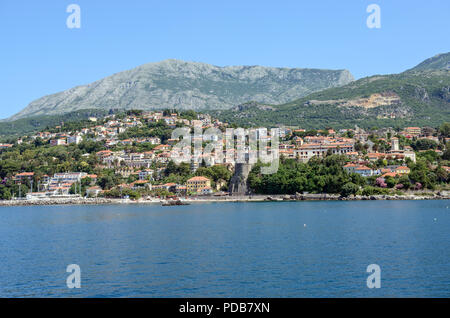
pixel 40 55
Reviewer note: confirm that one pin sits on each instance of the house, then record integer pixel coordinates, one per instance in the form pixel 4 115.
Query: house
pixel 58 142
pixel 5 146
pixel 350 167
pixel 180 189
pixel 93 191
pixel 205 191
pixel 125 172
pixel 93 178
pixel 360 169
pixel 144 174
pixel 375 156
pixel 364 171
pixel 141 184
pixel 20 177
pixel 68 177
pixel 45 179
pixel 412 131
pixel 74 139
pixel 196 183
pixel 402 170
pixel 390 174
pixel 321 146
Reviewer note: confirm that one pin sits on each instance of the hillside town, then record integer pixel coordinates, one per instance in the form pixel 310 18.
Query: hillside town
pixel 129 155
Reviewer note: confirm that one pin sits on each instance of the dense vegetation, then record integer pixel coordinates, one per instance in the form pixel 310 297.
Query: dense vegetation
pixel 32 124
pixel 326 175
pixel 425 100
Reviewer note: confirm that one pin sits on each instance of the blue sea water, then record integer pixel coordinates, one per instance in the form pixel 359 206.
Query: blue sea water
pixel 279 249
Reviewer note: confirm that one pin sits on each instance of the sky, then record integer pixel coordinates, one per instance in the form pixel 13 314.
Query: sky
pixel 40 55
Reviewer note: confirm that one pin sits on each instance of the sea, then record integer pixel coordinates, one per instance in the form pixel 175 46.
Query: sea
pixel 255 249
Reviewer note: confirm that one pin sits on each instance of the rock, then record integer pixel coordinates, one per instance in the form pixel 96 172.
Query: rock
pixel 188 85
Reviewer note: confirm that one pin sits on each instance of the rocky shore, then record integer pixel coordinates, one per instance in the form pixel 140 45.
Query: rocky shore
pixel 66 201
pixel 444 195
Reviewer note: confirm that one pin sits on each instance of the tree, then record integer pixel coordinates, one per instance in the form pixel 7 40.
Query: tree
pixel 348 189
pixel 445 130
pixel 107 182
pixel 446 154
pixel 404 180
pixel 390 182
pixel 424 144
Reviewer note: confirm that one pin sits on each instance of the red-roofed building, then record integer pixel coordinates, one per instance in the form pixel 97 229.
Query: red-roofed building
pixel 402 170
pixel 196 183
pixel 20 177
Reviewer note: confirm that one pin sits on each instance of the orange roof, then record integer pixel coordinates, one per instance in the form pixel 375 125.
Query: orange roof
pixel 199 178
pixel 140 181
pixel 25 174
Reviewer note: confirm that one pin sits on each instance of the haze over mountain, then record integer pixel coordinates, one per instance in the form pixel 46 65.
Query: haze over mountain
pixel 419 96
pixel 188 85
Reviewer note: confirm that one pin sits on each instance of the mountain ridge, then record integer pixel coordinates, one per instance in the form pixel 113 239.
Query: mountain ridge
pixel 418 96
pixel 183 85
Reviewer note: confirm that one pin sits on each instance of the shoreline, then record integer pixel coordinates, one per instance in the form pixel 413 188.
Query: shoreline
pixel 212 199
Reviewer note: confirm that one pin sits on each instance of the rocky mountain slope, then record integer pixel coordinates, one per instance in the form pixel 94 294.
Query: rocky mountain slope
pixel 420 96
pixel 188 85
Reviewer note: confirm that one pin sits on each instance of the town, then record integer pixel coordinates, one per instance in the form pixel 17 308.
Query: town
pixel 128 155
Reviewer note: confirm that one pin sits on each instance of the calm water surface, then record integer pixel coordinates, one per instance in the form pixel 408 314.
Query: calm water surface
pixel 280 249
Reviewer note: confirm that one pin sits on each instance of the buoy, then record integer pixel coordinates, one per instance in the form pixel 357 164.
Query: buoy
pixel 304 225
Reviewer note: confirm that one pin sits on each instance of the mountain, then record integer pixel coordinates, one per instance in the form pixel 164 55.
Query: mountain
pixel 437 62
pixel 420 96
pixel 188 85
pixel 27 125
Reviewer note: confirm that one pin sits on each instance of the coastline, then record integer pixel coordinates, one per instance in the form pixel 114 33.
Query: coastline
pixel 211 199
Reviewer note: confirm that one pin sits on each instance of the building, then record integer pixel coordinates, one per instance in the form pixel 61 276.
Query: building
pixel 20 177
pixel 360 169
pixel 144 174
pixel 93 191
pixel 5 146
pixel 58 142
pixel 196 183
pixel 395 144
pixel 365 171
pixel 74 139
pixel 205 191
pixel 412 131
pixel 402 170
pixel 307 151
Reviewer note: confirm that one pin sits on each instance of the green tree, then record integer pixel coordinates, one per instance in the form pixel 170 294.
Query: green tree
pixel 348 189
